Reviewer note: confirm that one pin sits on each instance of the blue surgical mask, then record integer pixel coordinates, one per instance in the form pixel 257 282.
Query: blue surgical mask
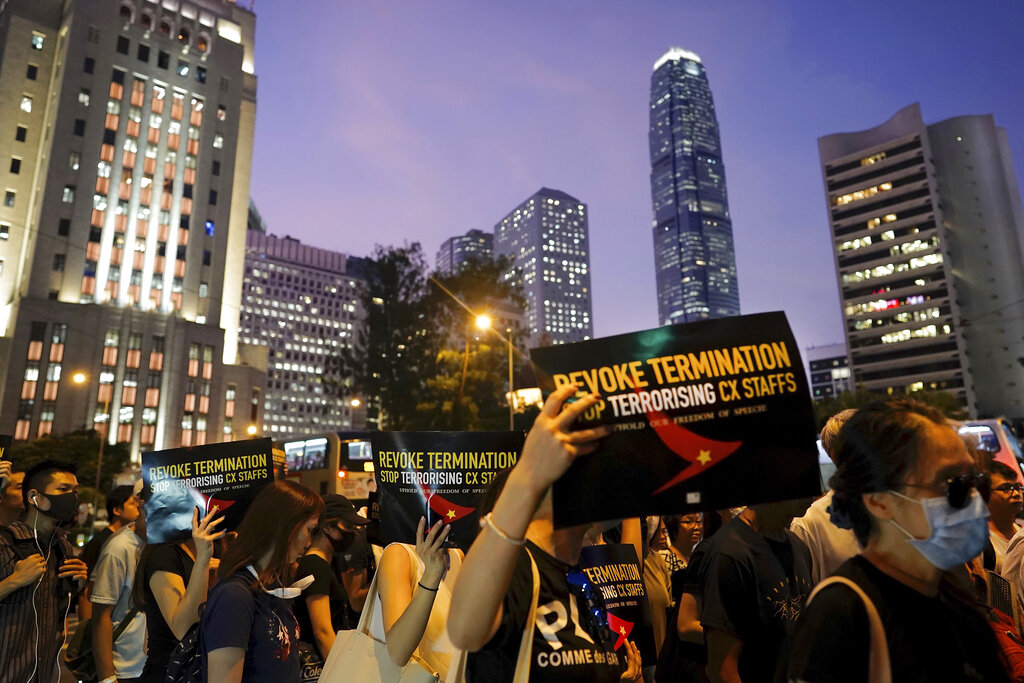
pixel 958 535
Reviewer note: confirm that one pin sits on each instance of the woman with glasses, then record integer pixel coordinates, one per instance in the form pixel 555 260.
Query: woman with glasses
pixel 1003 505
pixel 906 485
pixel 518 555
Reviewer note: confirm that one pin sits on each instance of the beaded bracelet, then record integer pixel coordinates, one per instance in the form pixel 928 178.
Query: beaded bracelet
pixel 487 520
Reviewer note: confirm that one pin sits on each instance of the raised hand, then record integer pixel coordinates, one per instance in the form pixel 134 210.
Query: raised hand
pixel 634 666
pixel 430 548
pixel 203 534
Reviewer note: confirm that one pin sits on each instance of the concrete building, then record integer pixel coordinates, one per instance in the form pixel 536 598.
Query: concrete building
pixel 829 370
pixel 928 236
pixel 126 184
pixel 302 304
pixel 546 238
pixel 474 245
pixel 695 264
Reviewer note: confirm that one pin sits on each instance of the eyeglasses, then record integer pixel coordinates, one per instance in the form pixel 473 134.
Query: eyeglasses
pixel 593 615
pixel 1008 488
pixel 958 489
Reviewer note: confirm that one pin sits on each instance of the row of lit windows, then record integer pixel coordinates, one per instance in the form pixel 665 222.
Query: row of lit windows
pixel 890 268
pixel 842 200
pixel 883 305
pixel 918 333
pixel 899 318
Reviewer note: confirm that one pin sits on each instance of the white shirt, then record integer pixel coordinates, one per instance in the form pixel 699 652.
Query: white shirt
pixel 830 546
pixel 1000 544
pixel 112 580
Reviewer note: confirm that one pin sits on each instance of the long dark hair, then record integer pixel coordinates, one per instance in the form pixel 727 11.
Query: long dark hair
pixel 271 523
pixel 875 451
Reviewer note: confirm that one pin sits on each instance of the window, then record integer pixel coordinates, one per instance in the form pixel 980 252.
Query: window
pixel 58 263
pixel 215 168
pixel 89 66
pixel 63 227
pixel 218 141
pixel 209 228
pixel 213 202
pixel 84 96
pixel 37 40
pixel 20 133
pixel 143 53
pixel 69 194
pixel 117 76
pixel 79 127
pixel 204 290
pixel 222 112
pixel 26 104
pixel 206 257
pixel 74 160
pixel 201 74
pixel 122 45
pixel 31 72
pixel 182 67
pixel 9 196
pixel 163 59
pixel 15 165
pixel 5 231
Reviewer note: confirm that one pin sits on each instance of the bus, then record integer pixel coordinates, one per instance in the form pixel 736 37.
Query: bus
pixel 335 462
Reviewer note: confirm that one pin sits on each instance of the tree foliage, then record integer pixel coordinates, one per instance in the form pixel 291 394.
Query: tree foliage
pixel 943 401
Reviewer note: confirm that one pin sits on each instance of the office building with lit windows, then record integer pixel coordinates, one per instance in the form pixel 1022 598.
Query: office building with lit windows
pixel 126 160
pixel 455 251
pixel 695 265
pixel 547 241
pixel 829 370
pixel 302 304
pixel 927 231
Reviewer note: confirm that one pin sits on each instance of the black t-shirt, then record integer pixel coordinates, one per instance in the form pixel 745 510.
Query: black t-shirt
pixel 324 583
pixel 753 590
pixel 241 614
pixel 91 551
pixel 563 651
pixel 942 638
pixel 171 558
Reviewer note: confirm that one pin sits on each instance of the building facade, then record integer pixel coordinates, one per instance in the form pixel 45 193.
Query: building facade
pixel 695 264
pixel 546 239
pixel 455 251
pixel 302 304
pixel 829 371
pixel 927 231
pixel 126 178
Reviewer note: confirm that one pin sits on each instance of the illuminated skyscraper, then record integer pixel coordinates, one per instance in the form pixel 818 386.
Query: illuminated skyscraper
pixel 475 244
pixel 693 245
pixel 928 235
pixel 122 235
pixel 546 238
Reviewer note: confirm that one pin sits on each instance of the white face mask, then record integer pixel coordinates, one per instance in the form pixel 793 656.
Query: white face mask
pixel 287 592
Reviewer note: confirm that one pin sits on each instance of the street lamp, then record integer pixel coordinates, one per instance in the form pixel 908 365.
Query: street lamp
pixel 355 403
pixel 251 430
pixel 485 322
pixel 81 378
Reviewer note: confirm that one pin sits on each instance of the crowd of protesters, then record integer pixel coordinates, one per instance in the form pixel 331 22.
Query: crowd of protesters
pixel 908 569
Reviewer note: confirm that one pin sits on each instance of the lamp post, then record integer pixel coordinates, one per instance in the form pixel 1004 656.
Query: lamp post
pixel 484 322
pixel 81 378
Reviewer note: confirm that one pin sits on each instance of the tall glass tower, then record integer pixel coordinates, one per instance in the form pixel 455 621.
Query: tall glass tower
pixel 693 248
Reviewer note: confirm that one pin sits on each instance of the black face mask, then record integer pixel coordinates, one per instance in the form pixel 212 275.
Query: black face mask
pixel 63 507
pixel 342 544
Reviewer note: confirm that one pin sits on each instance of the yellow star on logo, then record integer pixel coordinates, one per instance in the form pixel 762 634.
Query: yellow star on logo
pixel 451 514
pixel 622 630
pixel 704 458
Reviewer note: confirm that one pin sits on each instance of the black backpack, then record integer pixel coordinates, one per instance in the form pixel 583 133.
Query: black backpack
pixel 186 662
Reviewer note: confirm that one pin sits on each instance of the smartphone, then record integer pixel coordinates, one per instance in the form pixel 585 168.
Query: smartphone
pixel 433 518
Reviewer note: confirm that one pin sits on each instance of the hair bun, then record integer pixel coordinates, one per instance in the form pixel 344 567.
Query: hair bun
pixel 839 517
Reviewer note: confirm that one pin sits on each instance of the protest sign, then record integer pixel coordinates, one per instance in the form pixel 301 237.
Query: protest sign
pixel 615 574
pixel 437 475
pixel 707 415
pixel 225 475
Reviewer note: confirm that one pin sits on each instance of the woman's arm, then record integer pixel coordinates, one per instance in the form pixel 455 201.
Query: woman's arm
pixel 688 625
pixel 225 664
pixel 179 605
pixel 550 448
pixel 406 605
pixel 319 608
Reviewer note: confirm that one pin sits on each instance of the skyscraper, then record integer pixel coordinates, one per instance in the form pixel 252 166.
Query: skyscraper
pixel 301 303
pixel 693 245
pixel 122 233
pixel 475 244
pixel 927 230
pixel 546 239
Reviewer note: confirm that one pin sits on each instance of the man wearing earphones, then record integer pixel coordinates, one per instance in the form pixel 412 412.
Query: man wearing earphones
pixel 38 576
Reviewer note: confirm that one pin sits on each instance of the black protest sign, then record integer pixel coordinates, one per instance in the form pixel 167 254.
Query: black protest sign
pixel 437 475
pixel 615 576
pixel 225 475
pixel 5 446
pixel 707 415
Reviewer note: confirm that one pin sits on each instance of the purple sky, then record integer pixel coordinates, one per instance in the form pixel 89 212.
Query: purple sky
pixel 380 122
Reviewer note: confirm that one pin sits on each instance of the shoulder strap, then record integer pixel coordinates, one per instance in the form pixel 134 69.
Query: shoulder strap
pixel 124 623
pixel 522 674
pixel 879 670
pixel 371 597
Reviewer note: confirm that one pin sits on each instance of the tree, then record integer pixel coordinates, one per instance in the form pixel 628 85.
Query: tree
pixel 943 401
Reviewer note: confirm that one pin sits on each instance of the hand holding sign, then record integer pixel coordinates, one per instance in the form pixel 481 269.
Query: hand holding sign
pixel 202 532
pixel 430 548
pixel 550 448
